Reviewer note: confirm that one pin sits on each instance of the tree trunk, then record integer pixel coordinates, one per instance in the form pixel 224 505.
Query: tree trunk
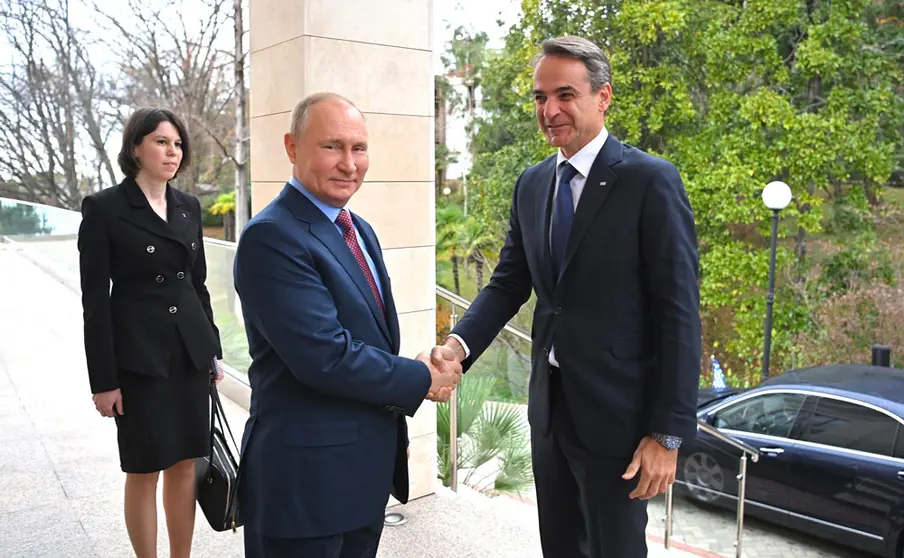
pixel 478 264
pixel 813 93
pixel 241 157
pixel 229 226
pixel 455 275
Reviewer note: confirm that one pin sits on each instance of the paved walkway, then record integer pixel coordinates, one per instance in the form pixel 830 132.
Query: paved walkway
pixel 61 487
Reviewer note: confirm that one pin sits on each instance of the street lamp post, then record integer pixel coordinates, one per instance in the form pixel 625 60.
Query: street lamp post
pixel 776 196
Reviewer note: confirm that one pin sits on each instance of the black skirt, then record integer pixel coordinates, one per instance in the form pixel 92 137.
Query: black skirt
pixel 165 420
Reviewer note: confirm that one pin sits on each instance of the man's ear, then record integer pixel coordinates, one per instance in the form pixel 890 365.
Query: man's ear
pixel 289 142
pixel 605 97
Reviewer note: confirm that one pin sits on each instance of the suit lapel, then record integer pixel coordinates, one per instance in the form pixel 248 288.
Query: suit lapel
pixel 547 187
pixel 143 216
pixel 178 216
pixel 327 233
pixel 600 182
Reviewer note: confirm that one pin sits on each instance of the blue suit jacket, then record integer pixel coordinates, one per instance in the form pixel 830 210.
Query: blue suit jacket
pixel 325 442
pixel 624 313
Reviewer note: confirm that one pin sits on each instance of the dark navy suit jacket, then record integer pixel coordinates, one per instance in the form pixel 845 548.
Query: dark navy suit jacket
pixel 623 315
pixel 325 442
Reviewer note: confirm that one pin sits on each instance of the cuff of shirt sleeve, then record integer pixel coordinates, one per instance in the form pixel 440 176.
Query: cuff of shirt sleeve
pixel 463 344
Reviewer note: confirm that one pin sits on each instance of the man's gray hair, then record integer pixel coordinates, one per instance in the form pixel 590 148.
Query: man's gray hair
pixel 593 57
pixel 303 108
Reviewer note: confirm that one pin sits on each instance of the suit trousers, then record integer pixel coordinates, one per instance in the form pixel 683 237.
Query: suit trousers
pixel 359 543
pixel 583 502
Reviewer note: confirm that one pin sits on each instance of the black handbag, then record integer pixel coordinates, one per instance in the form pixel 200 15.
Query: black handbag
pixel 217 474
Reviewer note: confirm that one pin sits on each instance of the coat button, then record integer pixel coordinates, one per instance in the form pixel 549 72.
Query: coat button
pixel 180 275
pixel 558 310
pixel 160 278
pixel 173 309
pixel 194 245
pixel 150 249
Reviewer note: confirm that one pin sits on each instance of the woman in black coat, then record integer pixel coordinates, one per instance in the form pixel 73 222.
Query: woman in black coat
pixel 150 342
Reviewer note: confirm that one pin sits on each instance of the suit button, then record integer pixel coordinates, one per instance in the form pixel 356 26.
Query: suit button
pixel 160 278
pixel 173 309
pixel 558 310
pixel 180 275
pixel 194 245
pixel 150 249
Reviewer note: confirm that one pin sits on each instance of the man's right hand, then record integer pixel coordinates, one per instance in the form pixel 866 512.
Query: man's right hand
pixel 445 372
pixel 107 402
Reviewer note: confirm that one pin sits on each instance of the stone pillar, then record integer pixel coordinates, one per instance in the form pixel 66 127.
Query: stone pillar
pixel 379 55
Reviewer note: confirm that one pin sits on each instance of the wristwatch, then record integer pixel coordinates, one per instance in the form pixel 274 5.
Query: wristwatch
pixel 666 441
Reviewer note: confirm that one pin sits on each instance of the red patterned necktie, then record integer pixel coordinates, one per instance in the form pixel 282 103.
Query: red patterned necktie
pixel 344 221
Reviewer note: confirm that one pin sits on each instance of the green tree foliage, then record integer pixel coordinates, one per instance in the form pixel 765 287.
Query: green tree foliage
pixel 736 94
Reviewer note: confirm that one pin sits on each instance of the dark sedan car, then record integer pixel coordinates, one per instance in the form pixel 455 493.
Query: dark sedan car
pixel 831 443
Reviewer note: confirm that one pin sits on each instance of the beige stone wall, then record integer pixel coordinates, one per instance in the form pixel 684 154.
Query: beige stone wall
pixel 378 54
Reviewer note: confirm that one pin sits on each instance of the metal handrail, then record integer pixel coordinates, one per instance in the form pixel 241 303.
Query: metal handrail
pixel 465 304
pixel 730 440
pixel 746 449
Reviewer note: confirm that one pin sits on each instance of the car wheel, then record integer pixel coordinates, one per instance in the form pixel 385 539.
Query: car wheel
pixel 703 477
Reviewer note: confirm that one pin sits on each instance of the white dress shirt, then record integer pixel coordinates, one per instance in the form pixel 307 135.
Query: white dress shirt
pixel 582 161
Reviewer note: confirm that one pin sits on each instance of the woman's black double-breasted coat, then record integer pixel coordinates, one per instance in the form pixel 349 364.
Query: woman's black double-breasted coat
pixel 158 271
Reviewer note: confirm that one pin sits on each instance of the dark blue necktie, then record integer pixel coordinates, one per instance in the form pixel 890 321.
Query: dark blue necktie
pixel 562 215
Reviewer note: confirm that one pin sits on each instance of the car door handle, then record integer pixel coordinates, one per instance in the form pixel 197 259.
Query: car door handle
pixel 772 451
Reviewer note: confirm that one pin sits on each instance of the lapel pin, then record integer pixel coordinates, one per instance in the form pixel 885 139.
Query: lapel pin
pixel 603 183
pixel 184 215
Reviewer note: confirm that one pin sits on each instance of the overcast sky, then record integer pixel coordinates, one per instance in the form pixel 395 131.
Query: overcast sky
pixel 478 15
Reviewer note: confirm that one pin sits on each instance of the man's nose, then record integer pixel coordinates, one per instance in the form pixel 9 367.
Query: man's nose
pixel 347 162
pixel 550 109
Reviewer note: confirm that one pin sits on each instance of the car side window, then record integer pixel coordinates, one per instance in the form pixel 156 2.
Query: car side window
pixel 847 425
pixel 899 445
pixel 771 414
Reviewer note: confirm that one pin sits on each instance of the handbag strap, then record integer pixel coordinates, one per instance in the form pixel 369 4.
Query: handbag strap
pixel 213 419
pixel 218 412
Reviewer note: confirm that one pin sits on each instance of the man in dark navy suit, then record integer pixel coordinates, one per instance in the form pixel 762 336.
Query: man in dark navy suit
pixel 605 236
pixel 326 441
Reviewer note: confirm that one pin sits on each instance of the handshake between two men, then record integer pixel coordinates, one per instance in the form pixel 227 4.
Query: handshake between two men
pixel 445 371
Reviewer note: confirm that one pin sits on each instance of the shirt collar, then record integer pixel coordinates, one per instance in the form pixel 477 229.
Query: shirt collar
pixel 583 160
pixel 332 213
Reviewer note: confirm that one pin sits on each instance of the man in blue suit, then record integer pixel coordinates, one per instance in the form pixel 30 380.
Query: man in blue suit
pixel 605 236
pixel 326 441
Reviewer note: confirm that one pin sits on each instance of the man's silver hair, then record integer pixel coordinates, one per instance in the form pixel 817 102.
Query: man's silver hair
pixel 593 57
pixel 303 108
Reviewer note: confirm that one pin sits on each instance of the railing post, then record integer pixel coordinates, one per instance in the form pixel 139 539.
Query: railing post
pixel 453 423
pixel 669 494
pixel 742 494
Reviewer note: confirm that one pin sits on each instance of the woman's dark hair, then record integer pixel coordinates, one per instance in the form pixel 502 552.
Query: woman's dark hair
pixel 142 122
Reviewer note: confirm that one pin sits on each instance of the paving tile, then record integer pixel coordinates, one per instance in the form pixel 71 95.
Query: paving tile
pixel 24 489
pixel 23 454
pixel 65 447
pixel 102 518
pixel 90 477
pixel 45 531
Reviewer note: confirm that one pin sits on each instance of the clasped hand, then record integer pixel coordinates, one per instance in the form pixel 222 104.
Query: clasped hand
pixel 445 372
